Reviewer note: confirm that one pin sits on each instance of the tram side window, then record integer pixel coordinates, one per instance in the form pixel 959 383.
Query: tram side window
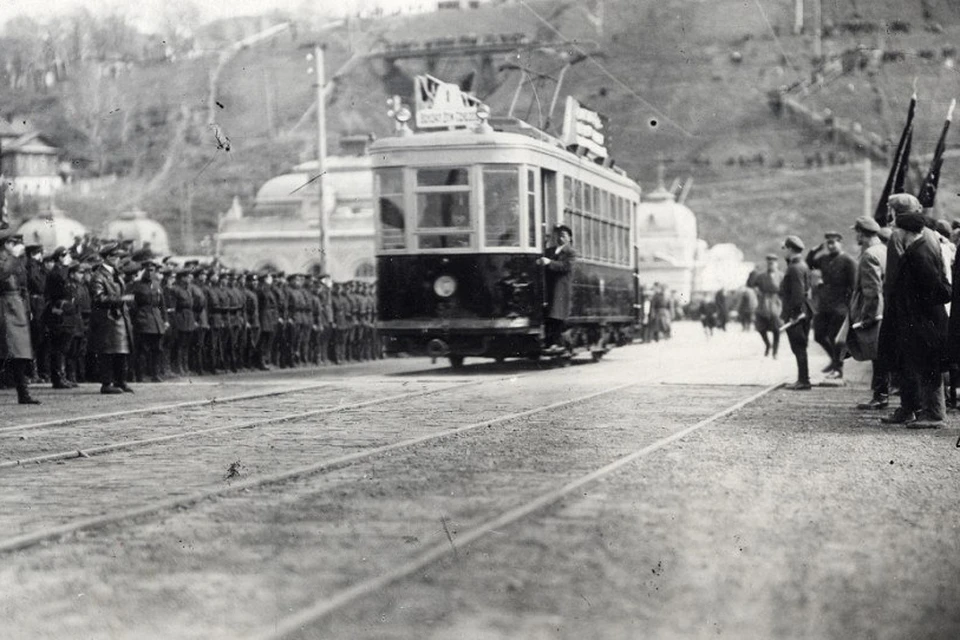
pixel 443 206
pixel 390 202
pixel 532 214
pixel 501 197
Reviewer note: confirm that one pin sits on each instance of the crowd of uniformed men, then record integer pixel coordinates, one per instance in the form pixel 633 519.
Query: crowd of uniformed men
pixel 100 312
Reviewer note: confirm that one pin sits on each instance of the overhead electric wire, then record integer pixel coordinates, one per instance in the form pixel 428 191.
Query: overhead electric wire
pixel 607 73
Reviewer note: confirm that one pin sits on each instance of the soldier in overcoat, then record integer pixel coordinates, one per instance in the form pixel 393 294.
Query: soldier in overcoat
pixel 111 330
pixel 252 313
pixel 36 303
pixel 559 261
pixel 201 337
pixel 77 353
pixel 269 317
pixel 867 308
pixel 150 322
pixel 16 349
pixel 184 322
pixel 60 317
pixel 797 312
pixel 215 310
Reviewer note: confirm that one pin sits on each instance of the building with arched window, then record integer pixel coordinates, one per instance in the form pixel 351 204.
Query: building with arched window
pixel 282 231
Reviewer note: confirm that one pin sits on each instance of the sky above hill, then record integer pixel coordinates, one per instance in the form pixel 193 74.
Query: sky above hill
pixel 147 13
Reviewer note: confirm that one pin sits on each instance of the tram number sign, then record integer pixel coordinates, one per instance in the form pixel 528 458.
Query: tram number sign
pixel 429 118
pixel 443 104
pixel 584 127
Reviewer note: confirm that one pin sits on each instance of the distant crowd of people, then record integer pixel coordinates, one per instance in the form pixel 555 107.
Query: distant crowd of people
pixel 100 312
pixel 895 304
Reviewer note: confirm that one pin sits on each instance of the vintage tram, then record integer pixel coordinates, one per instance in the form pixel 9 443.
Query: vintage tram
pixel 463 213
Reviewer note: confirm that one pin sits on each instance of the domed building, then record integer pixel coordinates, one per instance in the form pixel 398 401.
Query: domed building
pixel 666 242
pixel 51 229
pixel 137 226
pixel 282 231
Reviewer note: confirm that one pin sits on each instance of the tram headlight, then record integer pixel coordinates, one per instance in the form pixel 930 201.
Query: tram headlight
pixel 444 286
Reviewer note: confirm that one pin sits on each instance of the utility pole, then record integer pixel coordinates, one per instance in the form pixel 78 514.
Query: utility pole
pixel 318 71
pixel 798 18
pixel 867 195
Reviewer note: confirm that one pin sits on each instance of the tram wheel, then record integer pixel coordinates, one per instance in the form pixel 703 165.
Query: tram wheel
pixel 597 355
pixel 500 359
pixel 456 362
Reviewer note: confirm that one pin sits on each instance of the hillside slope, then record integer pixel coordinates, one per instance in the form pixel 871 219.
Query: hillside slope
pixel 684 82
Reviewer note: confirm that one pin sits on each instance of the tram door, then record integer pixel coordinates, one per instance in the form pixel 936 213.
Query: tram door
pixel 548 207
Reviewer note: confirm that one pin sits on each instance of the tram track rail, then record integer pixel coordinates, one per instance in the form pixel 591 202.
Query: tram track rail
pixel 299 621
pixel 251 424
pixel 335 463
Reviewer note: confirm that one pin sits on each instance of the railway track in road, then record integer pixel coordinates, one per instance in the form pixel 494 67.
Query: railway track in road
pixel 173 416
pixel 299 621
pixel 365 451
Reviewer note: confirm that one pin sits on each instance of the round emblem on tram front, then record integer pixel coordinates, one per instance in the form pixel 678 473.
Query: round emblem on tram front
pixel 444 286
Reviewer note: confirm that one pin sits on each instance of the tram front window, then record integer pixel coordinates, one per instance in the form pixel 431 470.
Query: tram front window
pixel 443 209
pixel 501 196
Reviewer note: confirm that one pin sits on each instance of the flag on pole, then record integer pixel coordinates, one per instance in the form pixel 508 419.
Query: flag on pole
pixel 895 178
pixel 928 192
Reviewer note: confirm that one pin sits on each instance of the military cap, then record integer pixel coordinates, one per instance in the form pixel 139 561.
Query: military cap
pixel 58 253
pixel 904 203
pixel 833 234
pixel 33 248
pixel 10 235
pixel 772 256
pixel 75 266
pixel 111 249
pixel 885 233
pixel 866 224
pixel 563 227
pixel 130 267
pixel 191 263
pixel 793 242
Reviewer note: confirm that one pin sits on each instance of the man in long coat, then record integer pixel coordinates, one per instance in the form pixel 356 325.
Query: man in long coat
pixel 796 312
pixel 917 298
pixel 16 350
pixel 559 261
pixel 111 332
pixel 866 309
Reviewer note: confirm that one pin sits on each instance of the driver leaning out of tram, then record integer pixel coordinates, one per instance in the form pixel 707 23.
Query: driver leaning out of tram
pixel 558 261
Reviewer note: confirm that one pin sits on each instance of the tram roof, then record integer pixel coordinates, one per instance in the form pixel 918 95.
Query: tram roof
pixel 506 133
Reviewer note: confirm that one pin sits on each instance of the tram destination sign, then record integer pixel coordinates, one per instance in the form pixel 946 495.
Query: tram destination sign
pixel 583 127
pixel 443 104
